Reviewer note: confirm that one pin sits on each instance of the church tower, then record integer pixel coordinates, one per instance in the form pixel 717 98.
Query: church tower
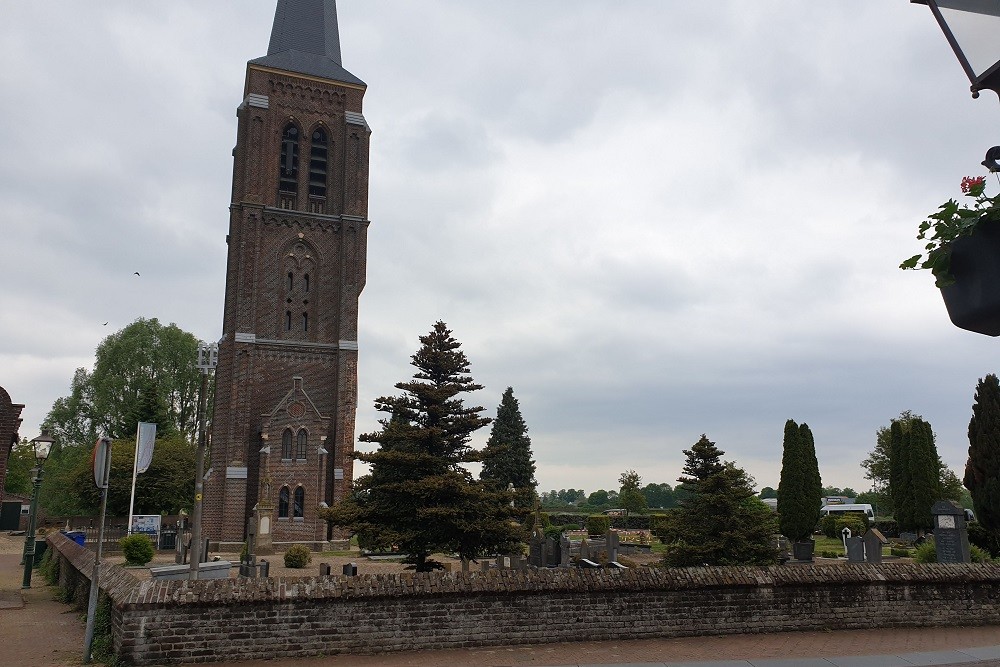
pixel 286 381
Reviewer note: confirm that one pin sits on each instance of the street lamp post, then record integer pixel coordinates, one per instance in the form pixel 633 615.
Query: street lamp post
pixel 208 357
pixel 42 445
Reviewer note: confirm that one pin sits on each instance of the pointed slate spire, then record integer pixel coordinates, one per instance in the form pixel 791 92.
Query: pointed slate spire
pixel 305 39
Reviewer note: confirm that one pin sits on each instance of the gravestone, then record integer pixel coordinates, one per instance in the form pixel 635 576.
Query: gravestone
pixel 611 540
pixel 874 540
pixel 855 549
pixel 951 538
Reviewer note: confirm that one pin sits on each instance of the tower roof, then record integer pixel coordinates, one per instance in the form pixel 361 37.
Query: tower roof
pixel 305 40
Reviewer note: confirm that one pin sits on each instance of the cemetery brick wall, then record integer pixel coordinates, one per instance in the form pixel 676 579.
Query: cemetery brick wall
pixel 182 621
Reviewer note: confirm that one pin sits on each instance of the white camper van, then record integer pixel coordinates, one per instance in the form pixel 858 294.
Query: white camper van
pixel 846 509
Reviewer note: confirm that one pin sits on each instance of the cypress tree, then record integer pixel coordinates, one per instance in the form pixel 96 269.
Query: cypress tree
pixel 507 455
pixel 812 481
pixel 982 472
pixel 924 487
pixel 419 496
pixel 899 473
pixel 793 511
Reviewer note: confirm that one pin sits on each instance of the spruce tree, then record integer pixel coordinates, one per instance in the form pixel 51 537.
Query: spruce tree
pixel 419 497
pixel 794 512
pixel 507 455
pixel 982 472
pixel 720 520
pixel 899 473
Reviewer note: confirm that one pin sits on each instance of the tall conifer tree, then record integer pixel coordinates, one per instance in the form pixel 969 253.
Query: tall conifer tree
pixel 507 455
pixel 982 472
pixel 720 521
pixel 419 496
pixel 793 514
pixel 812 481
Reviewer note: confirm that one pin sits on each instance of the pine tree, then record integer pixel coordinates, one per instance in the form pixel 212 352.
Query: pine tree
pixel 794 512
pixel 982 472
pixel 419 497
pixel 720 521
pixel 507 455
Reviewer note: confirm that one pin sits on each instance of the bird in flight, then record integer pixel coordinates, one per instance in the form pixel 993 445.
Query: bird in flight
pixel 136 273
pixel 105 324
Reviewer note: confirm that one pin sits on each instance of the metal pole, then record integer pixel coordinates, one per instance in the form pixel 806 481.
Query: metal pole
pixel 29 539
pixel 199 481
pixel 88 641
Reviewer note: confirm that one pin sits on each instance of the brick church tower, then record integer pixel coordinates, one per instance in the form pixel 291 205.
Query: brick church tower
pixel 286 382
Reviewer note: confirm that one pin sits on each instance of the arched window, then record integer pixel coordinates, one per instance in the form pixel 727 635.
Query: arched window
pixel 286 444
pixel 289 160
pixel 288 320
pixel 291 282
pixel 305 283
pixel 305 321
pixel 300 503
pixel 300 445
pixel 283 502
pixel 317 164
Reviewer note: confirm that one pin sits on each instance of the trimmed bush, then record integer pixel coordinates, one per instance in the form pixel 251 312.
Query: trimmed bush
pixel 858 524
pixel 137 549
pixel 828 526
pixel 298 556
pixel 982 538
pixel 598 524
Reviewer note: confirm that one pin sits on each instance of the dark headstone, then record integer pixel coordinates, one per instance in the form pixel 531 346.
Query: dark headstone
pixel 324 569
pixel 350 569
pixel 855 550
pixel 951 538
pixel 873 545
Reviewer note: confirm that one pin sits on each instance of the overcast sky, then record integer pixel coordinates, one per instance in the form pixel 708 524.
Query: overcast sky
pixel 653 219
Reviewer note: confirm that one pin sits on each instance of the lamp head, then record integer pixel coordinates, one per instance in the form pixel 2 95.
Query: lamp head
pixel 972 28
pixel 43 446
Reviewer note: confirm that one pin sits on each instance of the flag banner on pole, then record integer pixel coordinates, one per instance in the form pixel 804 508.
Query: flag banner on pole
pixel 145 439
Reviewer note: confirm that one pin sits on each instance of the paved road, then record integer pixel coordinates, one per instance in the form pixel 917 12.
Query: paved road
pixel 36 631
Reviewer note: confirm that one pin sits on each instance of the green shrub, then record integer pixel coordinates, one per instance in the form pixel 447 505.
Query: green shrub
pixel 983 539
pixel 858 523
pixel 49 567
pixel 828 526
pixel 543 517
pixel 902 552
pixel 571 526
pixel 298 556
pixel 927 553
pixel 598 524
pixel 659 525
pixel 979 555
pixel 137 548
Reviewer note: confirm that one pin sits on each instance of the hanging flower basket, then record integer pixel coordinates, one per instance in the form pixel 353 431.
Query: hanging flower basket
pixel 963 253
pixel 973 299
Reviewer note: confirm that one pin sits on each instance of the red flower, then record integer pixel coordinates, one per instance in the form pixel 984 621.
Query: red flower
pixel 973 182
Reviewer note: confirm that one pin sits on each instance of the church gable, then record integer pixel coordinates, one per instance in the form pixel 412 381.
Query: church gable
pixel 294 426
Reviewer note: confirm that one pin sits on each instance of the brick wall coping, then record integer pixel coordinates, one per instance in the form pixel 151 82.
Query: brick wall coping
pixel 126 591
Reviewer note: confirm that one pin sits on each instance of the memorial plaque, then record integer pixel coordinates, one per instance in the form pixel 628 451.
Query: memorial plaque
pixel 951 539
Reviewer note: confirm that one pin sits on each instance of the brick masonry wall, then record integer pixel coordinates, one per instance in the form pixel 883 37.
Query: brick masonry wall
pixel 182 621
pixel 10 422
